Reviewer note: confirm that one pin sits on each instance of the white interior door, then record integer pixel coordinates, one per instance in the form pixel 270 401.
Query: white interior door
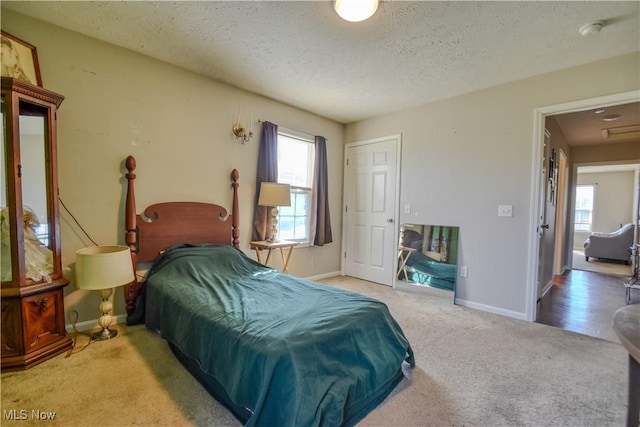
pixel 370 231
pixel 546 224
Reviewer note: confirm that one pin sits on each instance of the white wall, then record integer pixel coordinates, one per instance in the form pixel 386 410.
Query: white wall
pixel 464 156
pixel 178 126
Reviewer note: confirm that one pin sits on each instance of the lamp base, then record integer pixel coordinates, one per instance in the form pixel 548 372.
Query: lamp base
pixel 273 234
pixel 104 334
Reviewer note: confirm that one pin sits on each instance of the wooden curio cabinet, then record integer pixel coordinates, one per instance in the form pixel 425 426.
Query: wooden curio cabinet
pixel 31 296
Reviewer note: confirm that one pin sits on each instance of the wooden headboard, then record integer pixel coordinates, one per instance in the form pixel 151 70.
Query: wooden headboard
pixel 163 225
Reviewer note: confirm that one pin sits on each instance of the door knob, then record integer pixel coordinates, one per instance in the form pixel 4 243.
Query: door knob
pixel 389 220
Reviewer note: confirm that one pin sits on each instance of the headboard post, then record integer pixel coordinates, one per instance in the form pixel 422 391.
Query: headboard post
pixel 165 224
pixel 235 212
pixel 131 290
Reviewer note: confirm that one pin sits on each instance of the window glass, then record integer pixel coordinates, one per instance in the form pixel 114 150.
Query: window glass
pixel 295 167
pixel 584 208
pixel 295 161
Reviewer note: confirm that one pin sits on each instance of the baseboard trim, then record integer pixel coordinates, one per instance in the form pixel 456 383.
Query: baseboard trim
pixel 547 288
pixel 457 301
pixel 491 309
pixel 93 324
pixel 324 275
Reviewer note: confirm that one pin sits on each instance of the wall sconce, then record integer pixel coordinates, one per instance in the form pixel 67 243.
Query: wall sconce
pixel 240 132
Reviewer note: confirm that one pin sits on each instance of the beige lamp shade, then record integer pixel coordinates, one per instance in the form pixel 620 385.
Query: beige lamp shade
pixel 103 267
pixel 274 194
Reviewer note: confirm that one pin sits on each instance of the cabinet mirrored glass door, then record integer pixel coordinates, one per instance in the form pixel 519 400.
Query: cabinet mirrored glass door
pixel 5 230
pixel 35 207
pixel 25 154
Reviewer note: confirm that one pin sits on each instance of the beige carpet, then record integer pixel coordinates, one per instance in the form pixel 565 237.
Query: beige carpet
pixel 599 265
pixel 473 369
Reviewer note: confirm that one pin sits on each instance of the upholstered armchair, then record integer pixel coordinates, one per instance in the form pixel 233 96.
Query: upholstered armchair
pixel 613 245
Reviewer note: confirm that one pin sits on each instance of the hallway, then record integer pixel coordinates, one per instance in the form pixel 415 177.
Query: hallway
pixel 584 302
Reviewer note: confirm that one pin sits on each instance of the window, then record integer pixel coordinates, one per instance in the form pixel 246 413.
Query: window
pixel 42 234
pixel 584 207
pixel 295 167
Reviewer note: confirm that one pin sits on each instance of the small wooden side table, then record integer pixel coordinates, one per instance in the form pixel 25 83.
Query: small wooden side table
pixel 626 323
pixel 261 245
pixel 403 256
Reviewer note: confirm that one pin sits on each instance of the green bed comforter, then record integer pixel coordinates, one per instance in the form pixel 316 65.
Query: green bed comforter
pixel 275 349
pixel 427 271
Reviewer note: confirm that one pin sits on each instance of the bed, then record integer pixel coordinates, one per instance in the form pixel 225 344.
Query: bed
pixel 426 270
pixel 275 349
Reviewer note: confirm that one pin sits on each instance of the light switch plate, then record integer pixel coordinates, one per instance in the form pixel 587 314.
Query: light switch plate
pixel 505 210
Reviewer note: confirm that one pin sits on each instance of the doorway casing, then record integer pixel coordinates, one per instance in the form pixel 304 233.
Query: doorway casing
pixel 539 116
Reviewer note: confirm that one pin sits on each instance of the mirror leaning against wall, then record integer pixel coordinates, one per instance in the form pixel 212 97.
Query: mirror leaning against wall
pixel 428 256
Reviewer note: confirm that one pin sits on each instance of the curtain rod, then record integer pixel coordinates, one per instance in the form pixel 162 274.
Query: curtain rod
pixel 313 137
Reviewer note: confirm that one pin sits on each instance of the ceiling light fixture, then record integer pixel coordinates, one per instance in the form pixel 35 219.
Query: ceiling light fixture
pixel 622 133
pixel 591 28
pixel 599 111
pixel 355 10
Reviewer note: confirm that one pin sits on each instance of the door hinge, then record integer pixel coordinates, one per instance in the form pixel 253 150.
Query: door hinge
pixel 347 161
pixel 345 255
pixel 346 208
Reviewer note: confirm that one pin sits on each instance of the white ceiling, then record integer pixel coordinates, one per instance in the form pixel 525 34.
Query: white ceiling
pixel 407 54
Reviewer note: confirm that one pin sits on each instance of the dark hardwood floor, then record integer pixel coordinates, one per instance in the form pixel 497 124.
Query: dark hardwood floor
pixel 584 302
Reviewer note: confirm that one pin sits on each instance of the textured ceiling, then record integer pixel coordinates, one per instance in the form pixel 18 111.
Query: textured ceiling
pixel 407 54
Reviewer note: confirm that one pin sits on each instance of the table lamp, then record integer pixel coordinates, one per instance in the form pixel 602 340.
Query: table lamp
pixel 102 268
pixel 273 194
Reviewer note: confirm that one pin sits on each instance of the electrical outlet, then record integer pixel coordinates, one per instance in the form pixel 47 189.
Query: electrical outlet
pixel 464 271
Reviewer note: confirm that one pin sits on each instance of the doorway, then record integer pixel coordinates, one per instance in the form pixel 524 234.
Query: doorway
pixel 606 198
pixel 371 200
pixel 538 188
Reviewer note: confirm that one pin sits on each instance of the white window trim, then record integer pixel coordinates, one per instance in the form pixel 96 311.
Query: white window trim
pixel 296 134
